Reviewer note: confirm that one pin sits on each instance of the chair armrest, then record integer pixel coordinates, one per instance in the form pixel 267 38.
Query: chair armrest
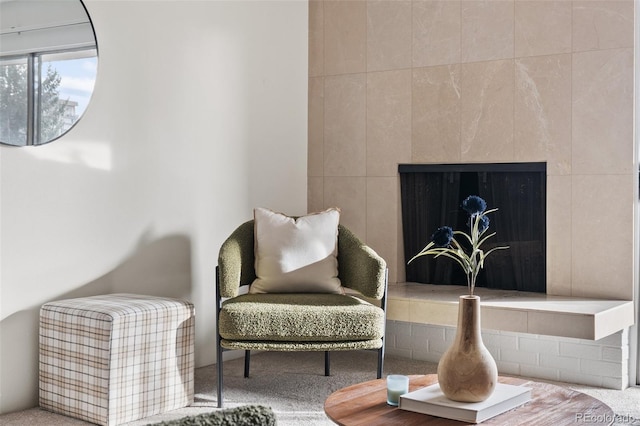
pixel 359 266
pixel 236 261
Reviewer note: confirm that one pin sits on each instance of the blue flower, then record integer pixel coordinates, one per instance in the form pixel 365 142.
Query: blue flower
pixel 483 223
pixel 442 237
pixel 443 244
pixel 474 205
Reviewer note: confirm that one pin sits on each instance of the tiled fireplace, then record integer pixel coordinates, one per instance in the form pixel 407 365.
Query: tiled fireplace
pixel 450 81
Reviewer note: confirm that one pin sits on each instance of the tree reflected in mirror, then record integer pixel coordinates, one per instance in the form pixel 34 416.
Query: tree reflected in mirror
pixel 48 67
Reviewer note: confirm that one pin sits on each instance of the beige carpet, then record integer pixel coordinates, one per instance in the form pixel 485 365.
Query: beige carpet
pixel 294 385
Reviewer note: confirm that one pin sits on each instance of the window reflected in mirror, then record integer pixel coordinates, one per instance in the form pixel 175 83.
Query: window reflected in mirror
pixel 48 67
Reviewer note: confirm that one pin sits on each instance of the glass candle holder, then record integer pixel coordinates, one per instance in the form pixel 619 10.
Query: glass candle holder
pixel 397 385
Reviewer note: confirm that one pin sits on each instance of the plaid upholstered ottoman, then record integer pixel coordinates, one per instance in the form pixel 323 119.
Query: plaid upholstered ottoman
pixel 116 358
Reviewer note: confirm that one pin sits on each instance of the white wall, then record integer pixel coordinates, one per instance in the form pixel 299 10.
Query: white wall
pixel 199 115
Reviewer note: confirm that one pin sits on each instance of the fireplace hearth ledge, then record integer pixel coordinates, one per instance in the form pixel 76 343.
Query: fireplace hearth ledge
pixel 534 313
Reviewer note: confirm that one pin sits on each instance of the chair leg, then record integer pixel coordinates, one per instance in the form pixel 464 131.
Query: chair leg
pixel 327 363
pixel 219 361
pixel 247 360
pixel 219 348
pixel 380 361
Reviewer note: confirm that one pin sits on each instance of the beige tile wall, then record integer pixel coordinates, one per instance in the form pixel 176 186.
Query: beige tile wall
pixel 480 81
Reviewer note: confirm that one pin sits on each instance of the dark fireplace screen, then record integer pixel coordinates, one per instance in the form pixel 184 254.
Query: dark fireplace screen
pixel 431 197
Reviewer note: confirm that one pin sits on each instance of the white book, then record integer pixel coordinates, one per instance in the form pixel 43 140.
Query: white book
pixel 430 400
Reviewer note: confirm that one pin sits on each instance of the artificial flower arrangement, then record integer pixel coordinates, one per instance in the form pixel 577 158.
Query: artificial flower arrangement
pixel 443 241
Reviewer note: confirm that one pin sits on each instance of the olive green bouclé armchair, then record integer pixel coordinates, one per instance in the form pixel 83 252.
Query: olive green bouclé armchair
pixel 299 321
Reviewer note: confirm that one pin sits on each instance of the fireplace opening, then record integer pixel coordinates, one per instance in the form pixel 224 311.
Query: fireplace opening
pixel 431 197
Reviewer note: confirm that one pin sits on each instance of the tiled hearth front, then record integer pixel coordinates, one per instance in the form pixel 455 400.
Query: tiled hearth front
pixel 602 362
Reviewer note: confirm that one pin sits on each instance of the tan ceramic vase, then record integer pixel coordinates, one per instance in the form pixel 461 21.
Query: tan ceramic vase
pixel 467 372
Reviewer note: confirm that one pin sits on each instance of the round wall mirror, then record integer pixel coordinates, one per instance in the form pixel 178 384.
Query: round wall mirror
pixel 48 67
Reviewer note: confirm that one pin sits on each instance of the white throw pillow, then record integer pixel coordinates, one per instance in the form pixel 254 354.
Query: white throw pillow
pixel 296 255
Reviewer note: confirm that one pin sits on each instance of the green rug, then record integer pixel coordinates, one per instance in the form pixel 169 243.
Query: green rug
pixel 248 415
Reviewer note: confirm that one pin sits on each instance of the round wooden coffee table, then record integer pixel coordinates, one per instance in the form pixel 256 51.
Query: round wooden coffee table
pixel 366 404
